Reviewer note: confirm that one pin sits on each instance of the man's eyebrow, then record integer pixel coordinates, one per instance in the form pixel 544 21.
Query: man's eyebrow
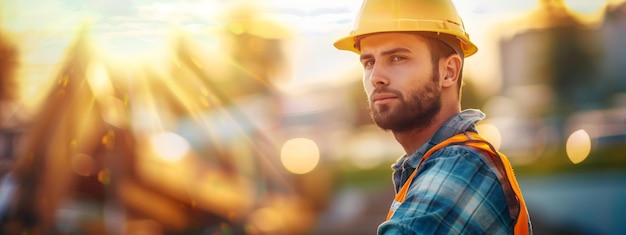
pixel 366 56
pixel 387 52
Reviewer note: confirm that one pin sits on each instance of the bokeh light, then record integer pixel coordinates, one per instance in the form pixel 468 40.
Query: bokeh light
pixel 169 146
pixel 267 219
pixel 104 176
pixel 578 146
pixel 84 164
pixel 299 155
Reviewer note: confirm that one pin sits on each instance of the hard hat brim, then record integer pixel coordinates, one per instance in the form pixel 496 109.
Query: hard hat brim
pixel 348 43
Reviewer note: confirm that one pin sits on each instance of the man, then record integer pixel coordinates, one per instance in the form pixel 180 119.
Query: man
pixel 451 181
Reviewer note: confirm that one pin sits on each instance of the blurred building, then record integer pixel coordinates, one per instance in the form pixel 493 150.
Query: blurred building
pixel 557 64
pixel 562 117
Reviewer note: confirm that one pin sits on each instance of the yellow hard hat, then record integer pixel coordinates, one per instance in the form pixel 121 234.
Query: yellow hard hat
pixel 437 16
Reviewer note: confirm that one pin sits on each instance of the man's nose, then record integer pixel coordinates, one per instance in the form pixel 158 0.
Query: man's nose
pixel 378 75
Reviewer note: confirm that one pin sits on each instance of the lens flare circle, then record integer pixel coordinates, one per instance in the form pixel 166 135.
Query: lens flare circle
pixel 578 146
pixel 299 155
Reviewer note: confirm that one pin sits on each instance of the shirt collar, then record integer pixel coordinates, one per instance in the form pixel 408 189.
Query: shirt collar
pixel 459 123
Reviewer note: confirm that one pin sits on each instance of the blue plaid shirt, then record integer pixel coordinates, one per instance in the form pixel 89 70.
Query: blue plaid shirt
pixel 454 192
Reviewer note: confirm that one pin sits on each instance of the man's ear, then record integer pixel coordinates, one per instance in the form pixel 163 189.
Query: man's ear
pixel 450 69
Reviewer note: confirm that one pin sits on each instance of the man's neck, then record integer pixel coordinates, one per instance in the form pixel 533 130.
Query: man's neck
pixel 412 139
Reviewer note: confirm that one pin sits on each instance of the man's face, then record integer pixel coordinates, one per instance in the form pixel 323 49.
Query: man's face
pixel 400 80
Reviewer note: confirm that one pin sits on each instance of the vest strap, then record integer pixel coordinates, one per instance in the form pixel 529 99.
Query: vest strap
pixel 473 139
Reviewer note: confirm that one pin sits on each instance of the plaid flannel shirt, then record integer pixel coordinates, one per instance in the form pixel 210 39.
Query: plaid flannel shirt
pixel 454 192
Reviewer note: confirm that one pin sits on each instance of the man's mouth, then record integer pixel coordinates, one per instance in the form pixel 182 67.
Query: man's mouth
pixel 383 98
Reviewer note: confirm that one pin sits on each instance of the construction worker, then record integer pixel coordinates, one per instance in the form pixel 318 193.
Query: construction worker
pixel 450 181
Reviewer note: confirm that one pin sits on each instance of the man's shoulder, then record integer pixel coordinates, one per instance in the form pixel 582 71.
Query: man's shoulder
pixel 457 159
pixel 459 150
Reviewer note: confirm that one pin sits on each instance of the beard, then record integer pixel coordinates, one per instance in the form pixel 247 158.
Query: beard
pixel 414 113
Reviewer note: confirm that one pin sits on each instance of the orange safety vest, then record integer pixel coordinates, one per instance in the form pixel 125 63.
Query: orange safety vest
pixel 475 140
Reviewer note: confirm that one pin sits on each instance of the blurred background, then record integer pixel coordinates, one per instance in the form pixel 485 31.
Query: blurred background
pixel 239 117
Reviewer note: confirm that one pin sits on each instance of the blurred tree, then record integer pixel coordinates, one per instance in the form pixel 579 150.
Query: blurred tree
pixel 574 56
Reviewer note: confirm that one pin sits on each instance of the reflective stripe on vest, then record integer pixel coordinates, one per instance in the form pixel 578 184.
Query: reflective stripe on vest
pixel 474 140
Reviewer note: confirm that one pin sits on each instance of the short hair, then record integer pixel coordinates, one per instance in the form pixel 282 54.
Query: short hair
pixel 441 49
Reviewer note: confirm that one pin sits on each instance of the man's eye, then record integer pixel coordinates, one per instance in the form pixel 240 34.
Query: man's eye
pixel 397 58
pixel 368 63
